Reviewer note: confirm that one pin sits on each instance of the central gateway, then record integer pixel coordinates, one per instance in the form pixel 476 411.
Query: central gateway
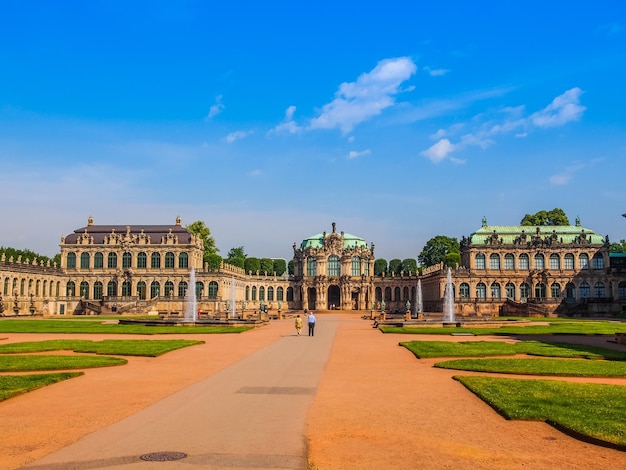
pixel 333 271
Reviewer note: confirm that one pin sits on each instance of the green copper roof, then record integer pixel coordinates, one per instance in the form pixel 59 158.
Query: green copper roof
pixel 316 241
pixel 509 233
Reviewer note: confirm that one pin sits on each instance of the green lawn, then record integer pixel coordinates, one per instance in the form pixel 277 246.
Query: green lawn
pixel 13 385
pixel 117 347
pixel 595 411
pixel 15 363
pixel 556 367
pixel 426 349
pixel 94 325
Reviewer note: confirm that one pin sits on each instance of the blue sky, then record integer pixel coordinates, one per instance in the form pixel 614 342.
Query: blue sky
pixel 397 120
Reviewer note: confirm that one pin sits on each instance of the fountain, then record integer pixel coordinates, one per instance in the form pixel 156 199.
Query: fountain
pixel 448 301
pixel 232 297
pixel 191 309
pixel 419 307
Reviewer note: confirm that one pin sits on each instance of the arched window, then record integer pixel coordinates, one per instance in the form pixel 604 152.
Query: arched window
pixel 356 266
pixel 253 293
pixel 126 288
pixel 540 262
pixel 524 291
pixel 583 261
pixel 183 260
pixel 334 268
pixel 555 290
pixel 270 294
pixel 141 290
pixel 112 260
pixel 182 289
pixel 367 267
pixel 97 290
pixel 71 260
pixel 213 290
pixel 279 294
pixel 510 290
pixel 481 291
pixel 142 260
pixel 555 261
pixel 84 289
pixel 379 294
pixel 570 290
pixel 155 289
pixel 289 294
pixel 112 289
pixel 621 290
pixel 169 289
pixel 584 290
pixel 598 290
pixel 311 267
pixel 127 260
pixel 387 294
pixel 597 262
pixel 84 260
pixel 495 291
pixel 464 290
pixel 524 262
pixel 494 261
pixel 199 289
pixel 6 286
pixel 70 289
pixel 406 293
pixel 509 261
pixel 262 293
pixel 247 292
pixel 569 261
pixel 169 260
pixel 480 261
pixel 396 294
pixel 540 290
pixel 155 260
pixel 98 261
pixel 37 285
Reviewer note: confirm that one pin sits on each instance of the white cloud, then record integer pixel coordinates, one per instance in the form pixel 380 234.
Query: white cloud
pixel 560 180
pixel 288 125
pixel 563 109
pixel 435 72
pixel 237 135
pixel 217 108
pixel 355 154
pixel 439 150
pixel 368 96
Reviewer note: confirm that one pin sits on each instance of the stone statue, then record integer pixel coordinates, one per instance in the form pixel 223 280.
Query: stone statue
pixel 408 306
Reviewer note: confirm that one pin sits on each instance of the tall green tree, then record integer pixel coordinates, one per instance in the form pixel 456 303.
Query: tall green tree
pixel 409 265
pixel 28 256
pixel 618 247
pixel 395 266
pixel 213 261
pixel 199 229
pixel 236 257
pixel 380 267
pixel 280 266
pixel 290 268
pixel 554 217
pixel 252 264
pixel 267 266
pixel 437 248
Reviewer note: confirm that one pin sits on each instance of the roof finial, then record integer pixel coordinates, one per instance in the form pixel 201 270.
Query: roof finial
pixel 178 220
pixel 334 227
pixel 89 221
pixel 484 221
pixel 577 221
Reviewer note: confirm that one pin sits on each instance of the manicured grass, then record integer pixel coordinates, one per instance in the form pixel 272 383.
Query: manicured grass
pixel 555 328
pixel 96 326
pixel 116 347
pixel 13 385
pixel 34 362
pixel 426 349
pixel 595 411
pixel 556 367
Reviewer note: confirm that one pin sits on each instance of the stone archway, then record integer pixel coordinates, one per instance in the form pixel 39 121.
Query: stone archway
pixel 311 298
pixel 334 298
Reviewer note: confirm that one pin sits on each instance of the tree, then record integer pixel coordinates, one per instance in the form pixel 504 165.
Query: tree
pixel 380 267
pixel 28 256
pixel 409 265
pixel 452 260
pixel 252 264
pixel 280 266
pixel 395 266
pixel 213 260
pixel 267 266
pixel 437 248
pixel 554 217
pixel 290 269
pixel 236 257
pixel 619 247
pixel 199 229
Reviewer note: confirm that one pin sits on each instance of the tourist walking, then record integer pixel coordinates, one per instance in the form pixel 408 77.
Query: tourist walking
pixel 298 324
pixel 311 322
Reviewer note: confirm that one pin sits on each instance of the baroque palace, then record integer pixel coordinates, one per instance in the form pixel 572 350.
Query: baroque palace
pixel 506 270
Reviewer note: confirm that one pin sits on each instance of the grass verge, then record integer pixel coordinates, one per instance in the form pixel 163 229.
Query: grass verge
pixel 30 363
pixel 139 347
pixel 13 385
pixel 588 411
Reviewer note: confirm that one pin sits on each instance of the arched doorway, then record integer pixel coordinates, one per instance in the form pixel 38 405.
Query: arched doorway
pixel 334 298
pixel 312 297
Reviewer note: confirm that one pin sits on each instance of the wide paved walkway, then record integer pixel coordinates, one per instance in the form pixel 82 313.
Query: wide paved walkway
pixel 249 415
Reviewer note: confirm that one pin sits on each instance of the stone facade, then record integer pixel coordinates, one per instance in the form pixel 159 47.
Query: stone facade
pixel 147 269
